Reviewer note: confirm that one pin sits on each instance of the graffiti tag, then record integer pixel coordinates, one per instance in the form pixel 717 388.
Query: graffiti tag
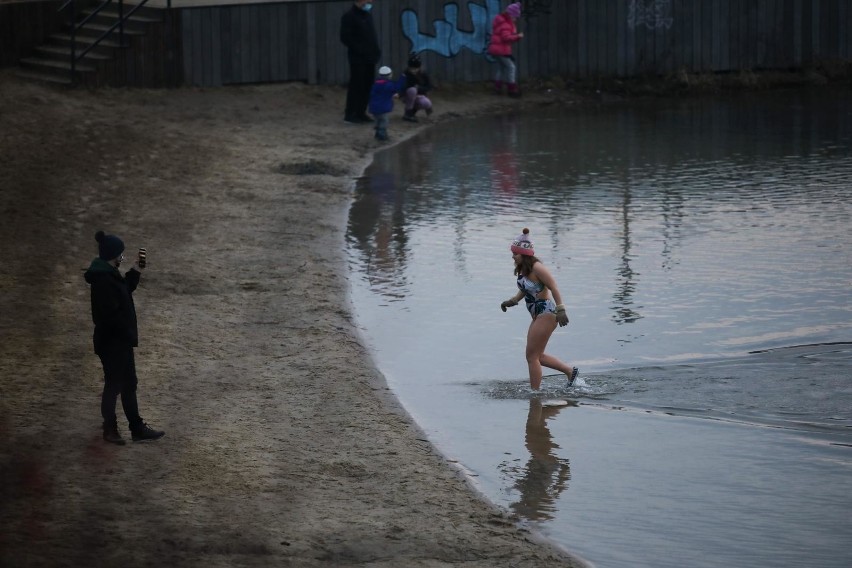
pixel 448 39
pixel 653 15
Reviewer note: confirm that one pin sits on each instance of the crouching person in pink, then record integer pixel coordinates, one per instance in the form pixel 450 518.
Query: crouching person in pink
pixel 417 84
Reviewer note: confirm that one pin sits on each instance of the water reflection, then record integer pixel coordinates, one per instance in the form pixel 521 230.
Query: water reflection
pixel 626 285
pixel 378 230
pixel 545 475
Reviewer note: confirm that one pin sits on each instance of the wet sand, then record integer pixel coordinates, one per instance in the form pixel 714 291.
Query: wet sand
pixel 284 446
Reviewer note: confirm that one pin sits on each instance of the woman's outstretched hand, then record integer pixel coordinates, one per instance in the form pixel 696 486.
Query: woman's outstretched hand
pixel 508 304
pixel 561 316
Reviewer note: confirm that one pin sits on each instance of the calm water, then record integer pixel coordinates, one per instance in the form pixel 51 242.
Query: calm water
pixel 703 248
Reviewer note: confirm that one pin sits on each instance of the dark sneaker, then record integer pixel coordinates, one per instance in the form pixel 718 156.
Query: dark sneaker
pixel 112 436
pixel 573 376
pixel 145 432
pixel 409 118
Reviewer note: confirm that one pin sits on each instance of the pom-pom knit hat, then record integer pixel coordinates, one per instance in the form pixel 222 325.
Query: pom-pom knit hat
pixel 109 246
pixel 522 244
pixel 514 9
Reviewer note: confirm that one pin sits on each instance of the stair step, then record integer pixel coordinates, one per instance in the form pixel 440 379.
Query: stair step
pixel 137 18
pixel 87 39
pixel 64 51
pixel 94 27
pixel 56 64
pixel 46 77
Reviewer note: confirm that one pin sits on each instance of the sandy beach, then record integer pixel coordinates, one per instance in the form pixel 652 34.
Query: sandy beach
pixel 284 446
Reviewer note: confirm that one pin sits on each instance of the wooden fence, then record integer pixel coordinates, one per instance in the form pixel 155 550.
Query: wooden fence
pixel 579 38
pixel 297 40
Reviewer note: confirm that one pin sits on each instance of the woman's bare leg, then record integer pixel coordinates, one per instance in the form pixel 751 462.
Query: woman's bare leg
pixel 538 335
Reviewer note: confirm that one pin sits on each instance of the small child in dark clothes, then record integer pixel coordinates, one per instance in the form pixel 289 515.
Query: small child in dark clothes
pixel 417 84
pixel 383 93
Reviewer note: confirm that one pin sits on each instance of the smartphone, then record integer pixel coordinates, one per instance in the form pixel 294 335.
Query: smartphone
pixel 143 257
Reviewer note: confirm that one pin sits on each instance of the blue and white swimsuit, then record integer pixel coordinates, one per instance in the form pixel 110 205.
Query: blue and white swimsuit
pixel 534 305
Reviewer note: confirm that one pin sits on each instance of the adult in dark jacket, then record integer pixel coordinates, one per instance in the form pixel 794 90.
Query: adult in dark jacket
pixel 116 334
pixel 358 34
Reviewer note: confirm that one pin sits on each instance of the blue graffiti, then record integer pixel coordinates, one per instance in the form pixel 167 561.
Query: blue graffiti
pixel 449 40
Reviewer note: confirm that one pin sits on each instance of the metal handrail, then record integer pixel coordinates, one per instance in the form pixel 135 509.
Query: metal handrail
pixel 122 17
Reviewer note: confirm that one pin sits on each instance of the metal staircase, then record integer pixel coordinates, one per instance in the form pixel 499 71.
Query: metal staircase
pixel 94 37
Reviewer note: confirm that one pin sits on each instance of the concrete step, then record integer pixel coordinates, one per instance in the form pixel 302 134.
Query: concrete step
pixel 143 15
pixel 64 38
pixel 97 28
pixel 57 65
pixel 53 78
pixel 64 52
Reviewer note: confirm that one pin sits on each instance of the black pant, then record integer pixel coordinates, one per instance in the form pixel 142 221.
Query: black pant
pixel 361 78
pixel 119 379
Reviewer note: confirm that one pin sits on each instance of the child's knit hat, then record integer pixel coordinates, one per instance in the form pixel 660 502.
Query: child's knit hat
pixel 522 244
pixel 514 9
pixel 385 71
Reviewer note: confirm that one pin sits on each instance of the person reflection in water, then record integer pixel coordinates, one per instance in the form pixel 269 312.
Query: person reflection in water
pixel 545 475
pixel 535 286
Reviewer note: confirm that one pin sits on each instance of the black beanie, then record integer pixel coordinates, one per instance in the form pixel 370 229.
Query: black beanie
pixel 414 61
pixel 109 246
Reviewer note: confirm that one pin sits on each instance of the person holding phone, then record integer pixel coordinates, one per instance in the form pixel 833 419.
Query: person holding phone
pixel 116 335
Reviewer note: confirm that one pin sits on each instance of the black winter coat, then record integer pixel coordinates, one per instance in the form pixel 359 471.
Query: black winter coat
pixel 113 312
pixel 358 34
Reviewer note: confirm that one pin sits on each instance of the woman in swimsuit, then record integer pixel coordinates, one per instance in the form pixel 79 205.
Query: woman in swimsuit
pixel 535 286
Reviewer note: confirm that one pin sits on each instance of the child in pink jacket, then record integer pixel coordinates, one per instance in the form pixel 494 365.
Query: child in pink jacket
pixel 504 33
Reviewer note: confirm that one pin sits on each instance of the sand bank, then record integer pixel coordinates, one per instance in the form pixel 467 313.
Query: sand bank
pixel 284 446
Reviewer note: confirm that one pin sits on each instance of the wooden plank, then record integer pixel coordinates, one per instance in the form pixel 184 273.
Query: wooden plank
pixel 206 51
pixel 815 30
pixel 716 45
pixel 213 75
pixel 582 38
pixel 226 46
pixel 737 26
pixel 267 16
pixel 553 39
pixel 783 37
pixel 196 57
pixel 602 38
pixel 592 36
pixel 831 43
pixel 807 32
pixel 697 32
pixel 685 22
pixel 796 24
pixel 621 39
pixel 763 22
pixel 273 30
pixel 572 40
pixel 707 35
pixel 788 32
pixel 724 61
pixel 662 41
pixel 311 43
pixel 613 27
